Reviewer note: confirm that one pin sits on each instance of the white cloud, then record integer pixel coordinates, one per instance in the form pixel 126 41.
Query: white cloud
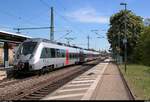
pixel 88 15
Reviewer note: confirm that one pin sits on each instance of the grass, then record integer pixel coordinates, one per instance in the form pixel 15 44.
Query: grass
pixel 138 79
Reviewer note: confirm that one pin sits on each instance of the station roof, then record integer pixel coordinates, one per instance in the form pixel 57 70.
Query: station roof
pixel 12 37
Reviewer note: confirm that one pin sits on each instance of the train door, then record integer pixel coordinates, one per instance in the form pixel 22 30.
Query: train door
pixel 81 56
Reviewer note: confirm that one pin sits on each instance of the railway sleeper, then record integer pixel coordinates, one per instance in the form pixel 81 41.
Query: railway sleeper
pixel 41 95
pixel 41 92
pixel 44 91
pixel 45 88
pixel 31 97
pixel 35 96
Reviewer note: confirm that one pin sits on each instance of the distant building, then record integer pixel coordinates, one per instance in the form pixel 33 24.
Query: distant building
pixel 11 54
pixel 8 42
pixel 147 22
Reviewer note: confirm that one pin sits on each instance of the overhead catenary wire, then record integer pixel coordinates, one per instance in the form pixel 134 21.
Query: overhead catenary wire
pixel 68 32
pixel 18 18
pixel 44 3
pixel 96 32
pixel 59 15
pixel 5 27
pixel 69 22
pixel 63 17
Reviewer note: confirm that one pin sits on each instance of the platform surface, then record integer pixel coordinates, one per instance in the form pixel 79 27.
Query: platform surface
pixel 102 82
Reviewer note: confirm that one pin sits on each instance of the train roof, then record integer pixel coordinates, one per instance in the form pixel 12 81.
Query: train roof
pixel 58 43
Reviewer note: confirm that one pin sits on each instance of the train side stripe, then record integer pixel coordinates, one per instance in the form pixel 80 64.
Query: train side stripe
pixel 67 57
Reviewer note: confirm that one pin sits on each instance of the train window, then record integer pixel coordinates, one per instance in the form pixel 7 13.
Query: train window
pixel 27 48
pixel 62 52
pixel 74 55
pixel 58 53
pixel 53 52
pixel 46 50
pixel 70 55
pixel 77 55
pixel 49 53
pixel 43 54
pixel 84 55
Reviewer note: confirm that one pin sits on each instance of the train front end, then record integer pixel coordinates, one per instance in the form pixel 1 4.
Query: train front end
pixel 24 57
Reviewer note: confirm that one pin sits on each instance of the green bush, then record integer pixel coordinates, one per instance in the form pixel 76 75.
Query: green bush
pixel 142 50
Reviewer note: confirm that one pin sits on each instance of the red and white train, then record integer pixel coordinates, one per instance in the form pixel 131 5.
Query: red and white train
pixel 41 54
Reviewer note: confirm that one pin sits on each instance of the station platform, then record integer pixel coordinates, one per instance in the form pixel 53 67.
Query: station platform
pixel 3 72
pixel 102 82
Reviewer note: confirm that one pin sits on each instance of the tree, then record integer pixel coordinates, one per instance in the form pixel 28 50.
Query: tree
pixel 116 31
pixel 142 49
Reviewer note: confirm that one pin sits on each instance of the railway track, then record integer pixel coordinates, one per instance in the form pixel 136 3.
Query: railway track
pixel 12 81
pixel 43 85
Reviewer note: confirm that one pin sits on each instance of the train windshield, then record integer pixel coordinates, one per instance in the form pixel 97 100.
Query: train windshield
pixel 27 48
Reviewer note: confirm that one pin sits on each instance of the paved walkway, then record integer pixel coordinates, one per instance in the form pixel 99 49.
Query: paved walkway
pixel 111 86
pixel 102 82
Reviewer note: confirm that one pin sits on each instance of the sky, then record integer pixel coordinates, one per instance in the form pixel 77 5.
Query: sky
pixel 79 18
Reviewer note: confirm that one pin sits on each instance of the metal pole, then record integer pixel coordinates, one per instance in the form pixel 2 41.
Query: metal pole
pixel 125 37
pixel 118 48
pixel 52 26
pixel 18 30
pixel 125 53
pixel 68 42
pixel 6 55
pixel 88 41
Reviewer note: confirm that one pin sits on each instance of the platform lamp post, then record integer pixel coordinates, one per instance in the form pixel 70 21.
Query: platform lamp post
pixel 125 37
